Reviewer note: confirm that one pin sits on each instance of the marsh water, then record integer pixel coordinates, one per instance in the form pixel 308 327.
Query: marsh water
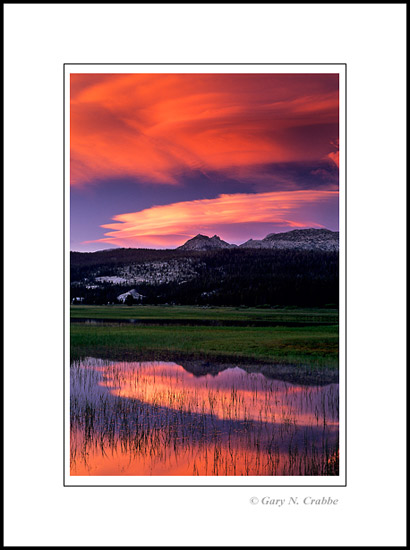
pixel 157 418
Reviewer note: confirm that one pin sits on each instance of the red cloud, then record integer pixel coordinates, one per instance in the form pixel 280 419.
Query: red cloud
pixel 157 126
pixel 334 157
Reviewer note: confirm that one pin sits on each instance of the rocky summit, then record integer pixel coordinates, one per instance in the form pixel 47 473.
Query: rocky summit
pixel 202 242
pixel 300 239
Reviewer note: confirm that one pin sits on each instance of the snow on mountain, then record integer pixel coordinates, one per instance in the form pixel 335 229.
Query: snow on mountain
pixel 133 293
pixel 300 239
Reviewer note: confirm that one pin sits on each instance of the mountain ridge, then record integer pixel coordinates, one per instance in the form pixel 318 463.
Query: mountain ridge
pixel 303 239
pixel 300 239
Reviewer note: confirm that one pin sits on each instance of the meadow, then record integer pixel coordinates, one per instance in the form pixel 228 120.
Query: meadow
pixel 312 316
pixel 313 344
pixel 188 390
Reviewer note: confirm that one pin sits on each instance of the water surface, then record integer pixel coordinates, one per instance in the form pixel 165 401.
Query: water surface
pixel 156 418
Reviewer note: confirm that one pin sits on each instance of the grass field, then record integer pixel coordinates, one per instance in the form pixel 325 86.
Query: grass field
pixel 195 313
pixel 313 344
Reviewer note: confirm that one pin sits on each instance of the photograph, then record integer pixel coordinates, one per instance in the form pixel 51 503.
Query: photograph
pixel 204 272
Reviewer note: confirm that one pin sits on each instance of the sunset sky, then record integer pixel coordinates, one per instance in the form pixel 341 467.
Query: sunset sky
pixel 158 158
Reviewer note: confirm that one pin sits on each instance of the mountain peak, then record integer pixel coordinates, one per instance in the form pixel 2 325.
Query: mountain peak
pixel 202 242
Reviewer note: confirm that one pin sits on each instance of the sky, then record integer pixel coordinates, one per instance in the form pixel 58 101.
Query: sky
pixel 157 158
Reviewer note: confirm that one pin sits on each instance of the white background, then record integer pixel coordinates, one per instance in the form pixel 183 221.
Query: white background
pixel 38 40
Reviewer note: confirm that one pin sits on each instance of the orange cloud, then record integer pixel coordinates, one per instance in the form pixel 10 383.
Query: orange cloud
pixel 172 224
pixel 334 156
pixel 157 126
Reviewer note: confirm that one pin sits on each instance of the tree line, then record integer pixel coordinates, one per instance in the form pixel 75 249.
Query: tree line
pixel 232 277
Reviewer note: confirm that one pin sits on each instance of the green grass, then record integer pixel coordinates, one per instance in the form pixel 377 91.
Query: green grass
pixel 303 315
pixel 297 344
